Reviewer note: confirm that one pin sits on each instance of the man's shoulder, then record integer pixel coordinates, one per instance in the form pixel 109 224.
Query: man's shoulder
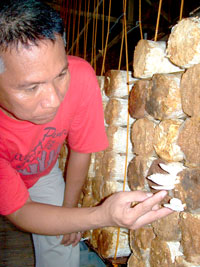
pixel 80 63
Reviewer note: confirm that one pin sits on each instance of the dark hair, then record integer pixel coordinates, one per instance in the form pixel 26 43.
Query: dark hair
pixel 27 21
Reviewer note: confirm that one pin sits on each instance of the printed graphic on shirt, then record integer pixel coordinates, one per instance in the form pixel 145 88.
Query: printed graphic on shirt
pixel 42 155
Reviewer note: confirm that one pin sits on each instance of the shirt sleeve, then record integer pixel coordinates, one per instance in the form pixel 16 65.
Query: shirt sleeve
pixel 13 192
pixel 87 131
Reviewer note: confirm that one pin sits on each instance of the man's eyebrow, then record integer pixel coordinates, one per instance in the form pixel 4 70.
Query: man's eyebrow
pixel 27 84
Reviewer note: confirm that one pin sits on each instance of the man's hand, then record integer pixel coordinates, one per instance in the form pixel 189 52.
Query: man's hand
pixel 71 239
pixel 134 209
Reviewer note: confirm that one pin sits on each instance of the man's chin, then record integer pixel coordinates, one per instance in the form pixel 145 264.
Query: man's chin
pixel 42 121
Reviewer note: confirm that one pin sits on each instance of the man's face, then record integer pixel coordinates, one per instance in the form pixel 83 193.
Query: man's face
pixel 33 81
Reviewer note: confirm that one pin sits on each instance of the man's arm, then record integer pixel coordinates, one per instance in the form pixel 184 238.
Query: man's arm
pixel 117 210
pixel 77 170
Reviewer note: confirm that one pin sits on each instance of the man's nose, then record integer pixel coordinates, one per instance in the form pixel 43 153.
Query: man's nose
pixel 51 97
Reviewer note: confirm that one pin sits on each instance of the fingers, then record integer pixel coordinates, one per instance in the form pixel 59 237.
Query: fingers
pixel 71 239
pixel 77 240
pixel 150 203
pixel 156 198
pixel 137 196
pixel 149 210
pixel 156 207
pixel 151 216
pixel 66 240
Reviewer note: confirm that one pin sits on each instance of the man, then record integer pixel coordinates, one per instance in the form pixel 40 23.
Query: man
pixel 45 98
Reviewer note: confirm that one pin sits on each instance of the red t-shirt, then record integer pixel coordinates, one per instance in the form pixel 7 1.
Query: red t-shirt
pixel 29 151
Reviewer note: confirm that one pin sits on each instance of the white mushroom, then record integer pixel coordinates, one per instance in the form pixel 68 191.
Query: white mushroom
pixel 167 181
pixel 172 168
pixel 163 179
pixel 163 187
pixel 175 204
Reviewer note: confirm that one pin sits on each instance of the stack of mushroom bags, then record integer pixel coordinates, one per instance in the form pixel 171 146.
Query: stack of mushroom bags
pixel 165 103
pixel 107 169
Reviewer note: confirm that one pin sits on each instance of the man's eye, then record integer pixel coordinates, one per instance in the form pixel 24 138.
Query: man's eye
pixel 62 74
pixel 32 88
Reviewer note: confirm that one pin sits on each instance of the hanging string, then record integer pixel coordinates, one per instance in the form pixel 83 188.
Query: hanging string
pixel 93 27
pixel 85 43
pixel 105 50
pixel 127 135
pixel 158 18
pixel 127 75
pixel 122 44
pixel 95 39
pixel 85 21
pixel 68 28
pixel 74 25
pixel 83 30
pixel 93 58
pixel 181 10
pixel 78 30
pixel 140 19
pixel 102 43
